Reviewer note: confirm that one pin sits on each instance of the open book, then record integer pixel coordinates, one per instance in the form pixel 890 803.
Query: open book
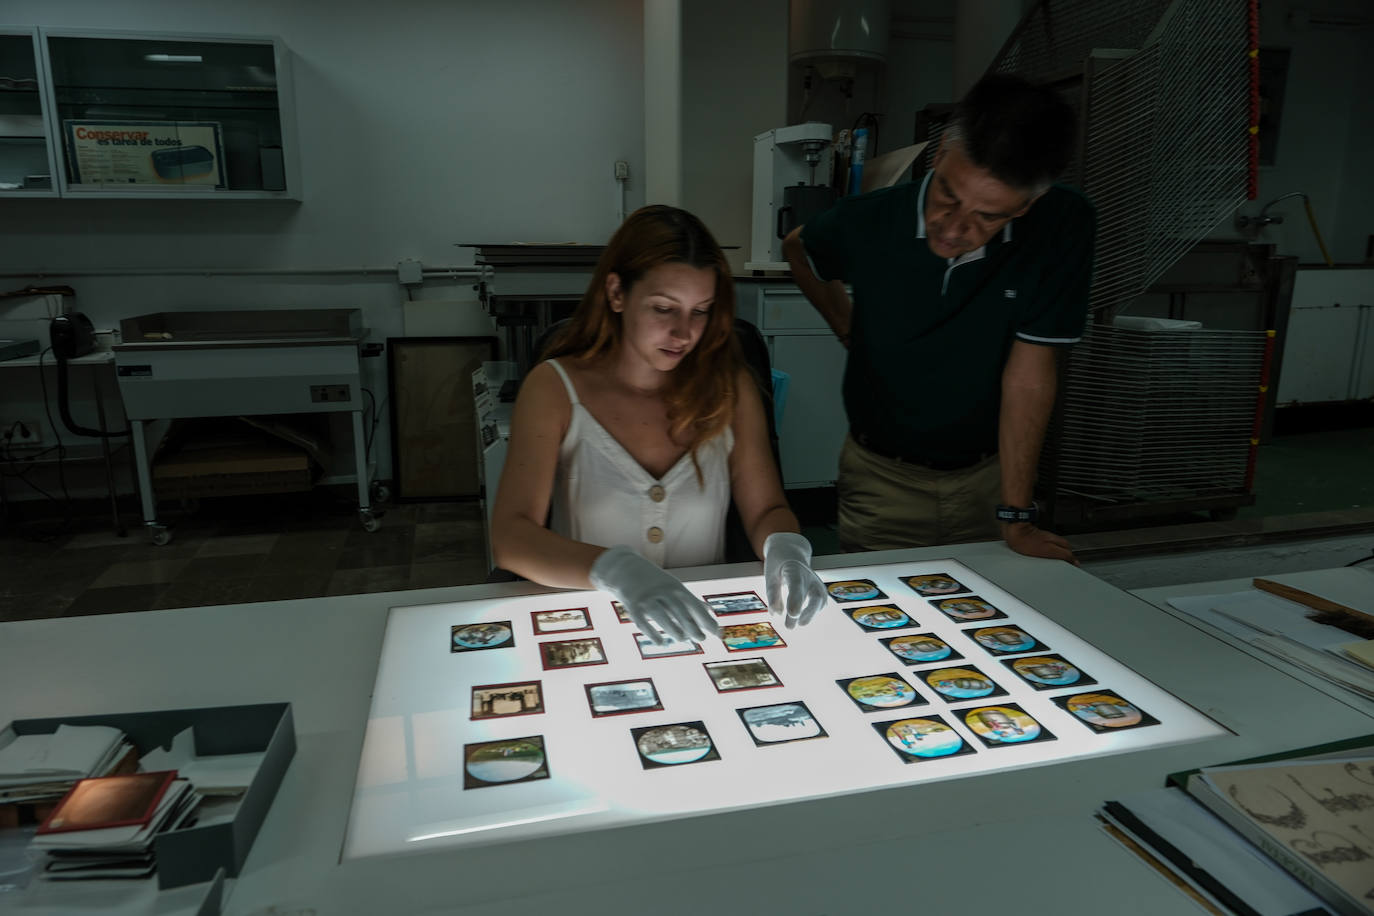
pixel 1314 816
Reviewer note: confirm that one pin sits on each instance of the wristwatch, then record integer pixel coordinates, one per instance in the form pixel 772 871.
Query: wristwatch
pixel 1017 514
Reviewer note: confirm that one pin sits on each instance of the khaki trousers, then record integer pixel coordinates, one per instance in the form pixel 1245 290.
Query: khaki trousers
pixel 886 504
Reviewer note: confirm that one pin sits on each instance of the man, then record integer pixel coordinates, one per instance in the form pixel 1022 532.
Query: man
pixel 964 285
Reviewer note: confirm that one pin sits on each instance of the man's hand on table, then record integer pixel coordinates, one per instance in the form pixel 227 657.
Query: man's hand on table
pixel 1025 538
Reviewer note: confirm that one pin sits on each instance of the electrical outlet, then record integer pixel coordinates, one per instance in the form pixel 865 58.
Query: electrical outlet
pixel 321 394
pixel 23 433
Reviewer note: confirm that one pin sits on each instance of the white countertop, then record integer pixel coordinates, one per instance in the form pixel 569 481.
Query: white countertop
pixel 963 845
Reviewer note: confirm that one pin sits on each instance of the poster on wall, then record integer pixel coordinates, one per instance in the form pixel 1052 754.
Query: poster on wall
pixel 145 153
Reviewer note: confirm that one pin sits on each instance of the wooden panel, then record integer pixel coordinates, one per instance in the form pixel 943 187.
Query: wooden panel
pixel 433 431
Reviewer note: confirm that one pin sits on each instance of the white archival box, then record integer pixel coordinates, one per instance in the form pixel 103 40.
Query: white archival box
pixel 410 793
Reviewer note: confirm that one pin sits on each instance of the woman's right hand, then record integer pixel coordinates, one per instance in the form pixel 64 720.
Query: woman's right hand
pixel 655 600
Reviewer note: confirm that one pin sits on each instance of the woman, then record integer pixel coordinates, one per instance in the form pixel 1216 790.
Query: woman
pixel 631 438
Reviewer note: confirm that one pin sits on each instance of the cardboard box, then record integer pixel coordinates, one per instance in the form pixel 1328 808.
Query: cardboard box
pixel 232 470
pixel 195 854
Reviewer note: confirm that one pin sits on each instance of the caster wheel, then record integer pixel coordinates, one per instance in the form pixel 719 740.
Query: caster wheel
pixel 381 493
pixel 370 522
pixel 161 536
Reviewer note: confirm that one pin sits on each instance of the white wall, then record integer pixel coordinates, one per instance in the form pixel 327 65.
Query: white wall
pixel 737 83
pixel 421 124
pixel 663 91
pixel 1325 134
pixel 734 86
pixel 920 68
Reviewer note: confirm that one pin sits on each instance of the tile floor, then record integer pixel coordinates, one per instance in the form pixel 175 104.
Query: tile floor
pixel 309 545
pixel 254 549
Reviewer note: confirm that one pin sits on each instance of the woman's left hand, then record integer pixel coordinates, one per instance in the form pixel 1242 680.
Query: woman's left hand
pixel 793 589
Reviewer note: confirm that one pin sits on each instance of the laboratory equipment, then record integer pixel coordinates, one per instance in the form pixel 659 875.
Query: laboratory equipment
pixel 174 365
pixel 792 168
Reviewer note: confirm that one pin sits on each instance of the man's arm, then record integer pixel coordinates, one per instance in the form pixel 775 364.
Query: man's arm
pixel 1028 387
pixel 829 297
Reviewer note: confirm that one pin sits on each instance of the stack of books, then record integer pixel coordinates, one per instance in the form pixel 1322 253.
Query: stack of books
pixel 105 827
pixel 36 768
pixel 1286 835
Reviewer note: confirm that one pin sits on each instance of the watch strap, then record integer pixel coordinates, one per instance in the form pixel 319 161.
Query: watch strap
pixel 1018 513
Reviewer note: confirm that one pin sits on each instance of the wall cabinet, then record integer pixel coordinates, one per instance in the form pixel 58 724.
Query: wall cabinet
pixel 125 115
pixel 27 162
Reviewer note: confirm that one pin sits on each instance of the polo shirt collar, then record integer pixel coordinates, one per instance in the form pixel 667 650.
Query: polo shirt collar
pixel 921 221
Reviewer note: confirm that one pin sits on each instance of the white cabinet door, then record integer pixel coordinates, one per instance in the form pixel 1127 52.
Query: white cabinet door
pixel 1319 355
pixel 1364 365
pixel 1329 353
pixel 813 421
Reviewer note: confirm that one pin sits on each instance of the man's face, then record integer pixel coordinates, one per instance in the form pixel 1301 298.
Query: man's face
pixel 965 205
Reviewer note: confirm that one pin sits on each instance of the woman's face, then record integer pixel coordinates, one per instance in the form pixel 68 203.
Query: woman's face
pixel 665 313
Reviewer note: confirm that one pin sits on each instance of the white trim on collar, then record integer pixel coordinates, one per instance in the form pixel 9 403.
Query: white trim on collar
pixel 921 206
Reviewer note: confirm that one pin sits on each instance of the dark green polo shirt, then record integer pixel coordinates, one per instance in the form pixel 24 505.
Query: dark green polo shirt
pixel 918 383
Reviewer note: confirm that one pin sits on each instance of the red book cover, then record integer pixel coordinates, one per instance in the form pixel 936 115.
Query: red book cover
pixel 109 801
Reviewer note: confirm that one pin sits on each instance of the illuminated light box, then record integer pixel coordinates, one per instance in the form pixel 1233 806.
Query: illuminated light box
pixel 504 719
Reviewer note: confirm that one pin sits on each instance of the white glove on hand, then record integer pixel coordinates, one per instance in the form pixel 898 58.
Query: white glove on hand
pixel 793 590
pixel 655 600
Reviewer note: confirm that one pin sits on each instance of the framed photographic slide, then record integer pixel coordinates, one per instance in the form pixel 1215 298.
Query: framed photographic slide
pixel 1105 711
pixel 919 648
pixel 473 637
pixel 1004 725
pixel 572 653
pixel 970 607
pixel 924 738
pixel 1046 672
pixel 875 692
pixel 744 637
pixel 741 674
pixel 964 682
pixel 496 701
pixel 561 621
pixel 620 612
pixel 1006 640
pixel 617 698
pixel 735 603
pixel 780 723
pixel 650 649
pixel 855 590
pixel 674 745
pixel 496 763
pixel 880 617
pixel 932 585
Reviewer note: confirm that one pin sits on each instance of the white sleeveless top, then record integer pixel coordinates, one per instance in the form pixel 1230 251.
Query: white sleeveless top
pixel 603 496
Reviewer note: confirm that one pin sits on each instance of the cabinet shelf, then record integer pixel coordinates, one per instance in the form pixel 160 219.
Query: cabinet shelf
pixel 27 161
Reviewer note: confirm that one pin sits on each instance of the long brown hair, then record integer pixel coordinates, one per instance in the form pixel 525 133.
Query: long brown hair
pixel 700 394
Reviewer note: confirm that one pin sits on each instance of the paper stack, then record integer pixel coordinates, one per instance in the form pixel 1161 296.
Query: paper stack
pixel 105 827
pixel 1283 630
pixel 39 767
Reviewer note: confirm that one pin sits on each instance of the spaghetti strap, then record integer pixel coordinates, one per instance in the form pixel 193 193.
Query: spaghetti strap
pixel 567 382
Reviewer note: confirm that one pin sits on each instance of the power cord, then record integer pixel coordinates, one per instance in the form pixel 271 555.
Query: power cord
pixel 372 427
pixel 61 449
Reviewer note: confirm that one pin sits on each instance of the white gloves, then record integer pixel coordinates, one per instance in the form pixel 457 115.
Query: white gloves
pixel 655 600
pixel 792 589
